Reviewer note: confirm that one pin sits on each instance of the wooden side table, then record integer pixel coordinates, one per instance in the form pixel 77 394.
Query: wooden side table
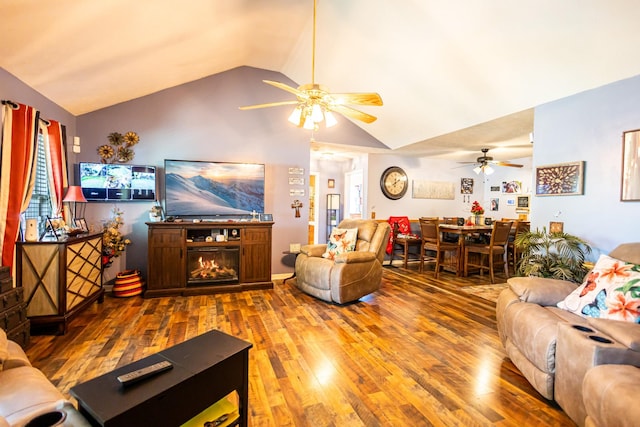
pixel 294 264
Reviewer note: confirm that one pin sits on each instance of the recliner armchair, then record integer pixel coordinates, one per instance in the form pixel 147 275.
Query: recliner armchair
pixel 350 275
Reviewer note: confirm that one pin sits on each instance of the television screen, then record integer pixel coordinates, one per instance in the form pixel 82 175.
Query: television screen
pixel 198 188
pixel 107 182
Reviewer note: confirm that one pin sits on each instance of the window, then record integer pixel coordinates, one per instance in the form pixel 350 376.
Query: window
pixel 40 204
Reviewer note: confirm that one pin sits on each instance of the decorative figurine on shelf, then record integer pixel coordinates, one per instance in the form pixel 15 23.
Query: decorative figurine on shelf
pixel 297 204
pixel 155 213
pixel 119 147
pixel 113 242
pixel 255 216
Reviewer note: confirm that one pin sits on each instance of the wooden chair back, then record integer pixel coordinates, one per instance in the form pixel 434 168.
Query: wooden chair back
pixel 429 230
pixel 500 233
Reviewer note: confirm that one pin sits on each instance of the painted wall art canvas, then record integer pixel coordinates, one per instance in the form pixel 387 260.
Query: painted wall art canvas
pixel 562 179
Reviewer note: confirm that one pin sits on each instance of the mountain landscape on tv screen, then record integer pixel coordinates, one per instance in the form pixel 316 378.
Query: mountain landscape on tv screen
pixel 202 196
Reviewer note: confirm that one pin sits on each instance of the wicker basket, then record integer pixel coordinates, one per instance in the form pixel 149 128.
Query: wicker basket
pixel 128 284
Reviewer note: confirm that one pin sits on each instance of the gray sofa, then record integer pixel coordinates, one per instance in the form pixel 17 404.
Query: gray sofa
pixel 554 349
pixel 25 393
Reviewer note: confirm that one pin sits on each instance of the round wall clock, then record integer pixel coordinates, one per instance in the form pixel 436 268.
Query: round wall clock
pixel 394 183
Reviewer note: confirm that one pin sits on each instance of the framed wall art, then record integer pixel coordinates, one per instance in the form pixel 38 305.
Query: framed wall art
pixel 466 185
pixel 630 186
pixel 511 187
pixel 562 179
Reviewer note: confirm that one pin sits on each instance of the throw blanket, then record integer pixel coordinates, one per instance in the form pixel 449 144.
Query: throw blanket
pixel 404 227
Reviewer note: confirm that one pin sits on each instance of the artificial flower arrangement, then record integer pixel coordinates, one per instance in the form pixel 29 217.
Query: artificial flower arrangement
pixel 113 242
pixel 119 147
pixel 476 209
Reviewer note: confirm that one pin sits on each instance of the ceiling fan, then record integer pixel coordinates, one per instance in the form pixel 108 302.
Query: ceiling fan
pixel 314 103
pixel 484 163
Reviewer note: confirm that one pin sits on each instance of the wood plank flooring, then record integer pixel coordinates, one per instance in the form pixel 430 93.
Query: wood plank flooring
pixel 416 353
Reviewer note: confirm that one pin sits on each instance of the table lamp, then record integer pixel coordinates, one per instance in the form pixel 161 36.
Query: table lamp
pixel 74 195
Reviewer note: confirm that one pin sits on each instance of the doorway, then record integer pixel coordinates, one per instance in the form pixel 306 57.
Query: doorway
pixel 313 208
pixel 354 188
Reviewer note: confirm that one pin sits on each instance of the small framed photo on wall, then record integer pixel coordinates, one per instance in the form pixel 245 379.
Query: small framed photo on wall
pixel 466 185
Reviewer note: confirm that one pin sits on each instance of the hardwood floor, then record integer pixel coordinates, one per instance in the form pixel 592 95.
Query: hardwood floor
pixel 419 352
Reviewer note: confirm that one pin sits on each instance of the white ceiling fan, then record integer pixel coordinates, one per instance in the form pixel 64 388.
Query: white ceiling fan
pixel 315 103
pixel 484 162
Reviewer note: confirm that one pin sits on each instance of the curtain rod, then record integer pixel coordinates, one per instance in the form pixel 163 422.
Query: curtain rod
pixel 10 103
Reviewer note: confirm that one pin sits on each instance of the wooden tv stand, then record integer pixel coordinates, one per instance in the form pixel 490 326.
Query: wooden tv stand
pixel 173 247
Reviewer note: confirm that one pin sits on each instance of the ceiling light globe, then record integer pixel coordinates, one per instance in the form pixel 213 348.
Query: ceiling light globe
pixel 316 113
pixel 330 119
pixel 295 116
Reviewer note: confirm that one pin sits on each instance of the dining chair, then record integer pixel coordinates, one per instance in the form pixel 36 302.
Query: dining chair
pixel 432 241
pixel 402 240
pixel 494 253
pixel 512 250
pixel 450 237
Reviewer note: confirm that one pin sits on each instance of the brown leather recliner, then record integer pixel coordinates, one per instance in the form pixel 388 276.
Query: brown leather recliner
pixel 350 275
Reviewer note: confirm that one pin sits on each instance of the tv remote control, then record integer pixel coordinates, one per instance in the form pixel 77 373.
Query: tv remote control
pixel 142 373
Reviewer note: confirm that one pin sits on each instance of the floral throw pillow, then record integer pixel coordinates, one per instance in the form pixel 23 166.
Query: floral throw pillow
pixel 610 291
pixel 341 240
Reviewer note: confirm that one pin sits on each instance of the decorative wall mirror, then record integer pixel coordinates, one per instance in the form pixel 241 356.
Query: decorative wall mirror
pixel 630 188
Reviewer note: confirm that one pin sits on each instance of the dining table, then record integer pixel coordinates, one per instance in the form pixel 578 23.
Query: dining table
pixel 464 231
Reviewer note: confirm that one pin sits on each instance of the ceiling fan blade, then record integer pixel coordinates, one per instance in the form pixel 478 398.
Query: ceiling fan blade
pixel 286 87
pixel 371 98
pixel 268 104
pixel 513 165
pixel 354 114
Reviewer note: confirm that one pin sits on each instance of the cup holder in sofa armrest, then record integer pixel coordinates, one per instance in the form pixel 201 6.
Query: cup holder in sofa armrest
pixel 582 328
pixel 53 418
pixel 600 339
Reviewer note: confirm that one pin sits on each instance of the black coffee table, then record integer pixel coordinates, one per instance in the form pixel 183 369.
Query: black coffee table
pixel 205 369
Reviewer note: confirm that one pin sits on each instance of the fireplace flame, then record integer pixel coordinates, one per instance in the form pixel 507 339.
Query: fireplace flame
pixel 208 268
pixel 208 264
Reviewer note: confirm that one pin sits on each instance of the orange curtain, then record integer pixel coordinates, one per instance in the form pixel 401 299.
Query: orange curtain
pixel 54 134
pixel 17 172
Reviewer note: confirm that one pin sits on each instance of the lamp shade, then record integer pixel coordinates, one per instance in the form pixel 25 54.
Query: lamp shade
pixel 74 194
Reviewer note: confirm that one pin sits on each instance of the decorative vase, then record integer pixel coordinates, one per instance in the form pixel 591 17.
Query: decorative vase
pixel 479 219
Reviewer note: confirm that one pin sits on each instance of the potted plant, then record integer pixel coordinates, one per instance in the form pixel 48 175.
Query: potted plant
pixel 553 255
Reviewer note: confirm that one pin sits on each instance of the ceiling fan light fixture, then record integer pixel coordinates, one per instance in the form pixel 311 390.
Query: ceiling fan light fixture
pixel 477 170
pixel 316 113
pixel 330 119
pixel 488 170
pixel 294 118
pixel 309 124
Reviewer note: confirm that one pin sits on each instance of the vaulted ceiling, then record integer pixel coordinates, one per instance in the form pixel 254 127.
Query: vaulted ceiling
pixel 454 76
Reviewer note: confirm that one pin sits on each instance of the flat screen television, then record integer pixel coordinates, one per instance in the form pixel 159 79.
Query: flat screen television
pixel 201 188
pixel 117 182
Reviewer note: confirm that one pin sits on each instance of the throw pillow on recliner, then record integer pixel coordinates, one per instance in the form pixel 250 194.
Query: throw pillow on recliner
pixel 610 291
pixel 341 240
